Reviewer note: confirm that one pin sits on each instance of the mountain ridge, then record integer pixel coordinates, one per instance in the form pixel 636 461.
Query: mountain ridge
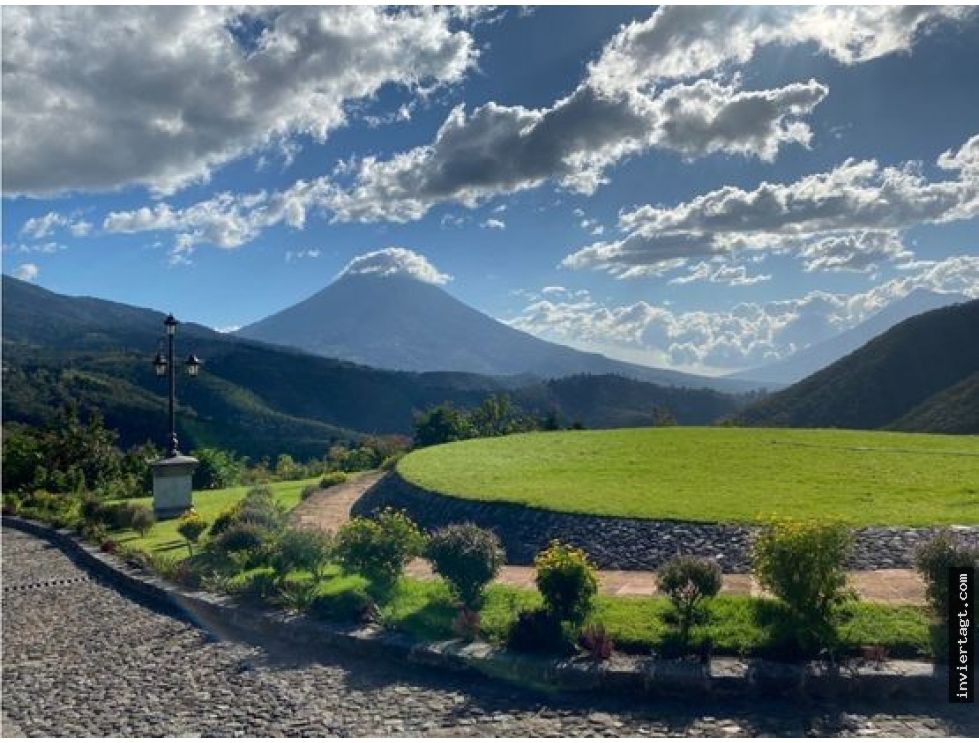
pixel 396 322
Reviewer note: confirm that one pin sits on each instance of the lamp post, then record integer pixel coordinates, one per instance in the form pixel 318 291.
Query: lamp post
pixel 172 475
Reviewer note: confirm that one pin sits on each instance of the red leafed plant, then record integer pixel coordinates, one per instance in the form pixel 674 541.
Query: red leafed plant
pixel 595 639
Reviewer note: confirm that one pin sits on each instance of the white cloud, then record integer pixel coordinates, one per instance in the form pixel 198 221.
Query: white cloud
pixel 496 149
pixel 494 224
pixel 623 108
pixel 37 228
pixel 225 220
pixel 395 262
pixel 850 218
pixel 167 94
pixel 26 272
pixel 720 272
pixel 681 42
pixel 749 334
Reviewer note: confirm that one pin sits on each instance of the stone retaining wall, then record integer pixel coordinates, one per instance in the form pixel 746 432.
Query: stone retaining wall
pixel 622 543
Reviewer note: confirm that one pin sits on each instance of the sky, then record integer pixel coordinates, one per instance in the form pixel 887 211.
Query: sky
pixel 703 188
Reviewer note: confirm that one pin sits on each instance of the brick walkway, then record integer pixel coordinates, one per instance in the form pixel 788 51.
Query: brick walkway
pixel 329 509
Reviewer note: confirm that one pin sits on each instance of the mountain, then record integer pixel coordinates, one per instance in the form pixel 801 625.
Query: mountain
pixel 953 410
pixel 885 380
pixel 813 358
pixel 397 322
pixel 260 399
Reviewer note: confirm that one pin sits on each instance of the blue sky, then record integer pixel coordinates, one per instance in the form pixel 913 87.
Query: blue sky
pixel 701 188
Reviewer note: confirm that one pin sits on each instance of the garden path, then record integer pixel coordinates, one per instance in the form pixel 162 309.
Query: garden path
pixel 329 509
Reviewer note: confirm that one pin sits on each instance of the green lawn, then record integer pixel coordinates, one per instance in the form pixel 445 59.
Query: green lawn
pixel 163 536
pixel 735 625
pixel 716 474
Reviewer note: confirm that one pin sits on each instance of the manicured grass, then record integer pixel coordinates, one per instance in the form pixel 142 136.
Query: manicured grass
pixel 716 474
pixel 736 625
pixel 163 536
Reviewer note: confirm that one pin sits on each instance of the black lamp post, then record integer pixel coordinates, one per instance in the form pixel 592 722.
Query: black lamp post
pixel 165 366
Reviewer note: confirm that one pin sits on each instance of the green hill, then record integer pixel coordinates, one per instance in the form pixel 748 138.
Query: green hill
pixel 953 410
pixel 884 380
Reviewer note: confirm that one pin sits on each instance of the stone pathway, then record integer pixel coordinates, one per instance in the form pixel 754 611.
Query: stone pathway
pixel 81 659
pixel 330 508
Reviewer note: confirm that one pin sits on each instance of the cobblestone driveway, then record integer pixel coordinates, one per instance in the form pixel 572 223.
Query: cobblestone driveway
pixel 81 659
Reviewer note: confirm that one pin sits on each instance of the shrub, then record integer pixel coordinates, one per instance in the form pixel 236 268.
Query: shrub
pixel 468 557
pixel 141 518
pixel 538 631
pixel 11 504
pixel 253 585
pixel 346 605
pixel 687 581
pixel 802 563
pixel 191 526
pixel 301 550
pixel 596 640
pixel 307 491
pixel 95 533
pixel 333 478
pixel 934 559
pixel 260 507
pixel 566 580
pixel 297 594
pixel 223 520
pixel 379 548
pixel 241 537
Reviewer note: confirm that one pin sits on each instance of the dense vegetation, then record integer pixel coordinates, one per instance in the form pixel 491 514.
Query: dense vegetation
pixel 882 383
pixel 716 474
pixel 262 400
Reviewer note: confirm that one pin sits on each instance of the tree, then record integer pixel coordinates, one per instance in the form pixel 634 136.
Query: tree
pixel 216 468
pixel 442 424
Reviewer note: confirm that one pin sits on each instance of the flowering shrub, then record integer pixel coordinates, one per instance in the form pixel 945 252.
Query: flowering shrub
pixel 380 547
pixel 190 527
pixel 566 580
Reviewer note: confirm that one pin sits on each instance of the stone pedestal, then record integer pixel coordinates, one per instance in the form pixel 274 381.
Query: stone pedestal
pixel 172 490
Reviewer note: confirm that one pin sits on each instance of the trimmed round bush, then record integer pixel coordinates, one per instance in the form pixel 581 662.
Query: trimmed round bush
pixel 566 580
pixel 468 558
pixel 191 526
pixel 301 550
pixel 241 537
pixel 687 581
pixel 141 518
pixel 802 563
pixel 379 548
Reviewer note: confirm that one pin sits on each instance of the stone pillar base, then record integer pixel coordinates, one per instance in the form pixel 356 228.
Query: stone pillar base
pixel 172 489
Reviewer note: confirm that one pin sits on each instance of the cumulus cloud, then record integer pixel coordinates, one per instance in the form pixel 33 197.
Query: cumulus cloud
pixel 494 224
pixel 622 107
pixel 26 272
pixel 395 262
pixel 37 228
pixel 850 218
pixel 496 149
pixel 679 42
pixel 167 94
pixel 749 334
pixel 226 220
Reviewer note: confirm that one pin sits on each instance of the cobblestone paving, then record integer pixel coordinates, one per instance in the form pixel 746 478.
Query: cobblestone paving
pixel 79 658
